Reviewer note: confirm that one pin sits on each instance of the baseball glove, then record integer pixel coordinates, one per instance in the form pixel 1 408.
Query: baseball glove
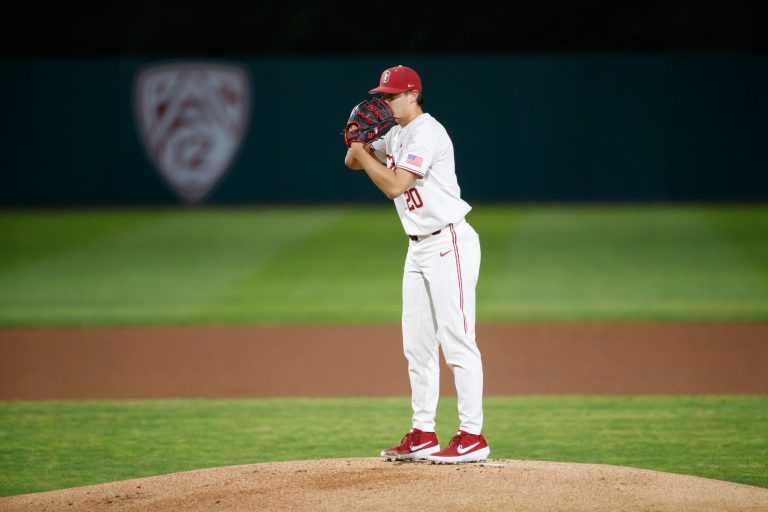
pixel 369 120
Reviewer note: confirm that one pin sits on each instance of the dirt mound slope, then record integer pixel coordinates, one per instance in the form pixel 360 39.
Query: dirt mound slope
pixel 372 484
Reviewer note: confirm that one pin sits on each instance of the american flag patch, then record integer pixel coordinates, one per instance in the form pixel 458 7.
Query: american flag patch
pixel 414 160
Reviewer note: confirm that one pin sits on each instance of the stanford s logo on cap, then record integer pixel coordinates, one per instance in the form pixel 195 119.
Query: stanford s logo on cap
pixel 398 79
pixel 192 118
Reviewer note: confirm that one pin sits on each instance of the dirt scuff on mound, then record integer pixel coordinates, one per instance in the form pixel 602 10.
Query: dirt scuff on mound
pixel 371 484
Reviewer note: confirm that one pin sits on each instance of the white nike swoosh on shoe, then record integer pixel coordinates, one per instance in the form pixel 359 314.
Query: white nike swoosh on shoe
pixel 463 450
pixel 419 447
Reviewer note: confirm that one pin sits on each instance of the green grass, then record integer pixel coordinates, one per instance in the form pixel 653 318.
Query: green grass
pixel 343 265
pixel 50 445
pixel 328 265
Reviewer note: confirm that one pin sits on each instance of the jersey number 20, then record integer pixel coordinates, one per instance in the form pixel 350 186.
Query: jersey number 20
pixel 413 199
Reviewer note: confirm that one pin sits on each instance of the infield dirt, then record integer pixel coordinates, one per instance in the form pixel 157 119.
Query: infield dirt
pixel 259 361
pixel 598 359
pixel 371 484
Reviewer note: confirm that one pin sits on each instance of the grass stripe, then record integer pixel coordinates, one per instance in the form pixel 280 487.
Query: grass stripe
pixel 343 265
pixel 50 445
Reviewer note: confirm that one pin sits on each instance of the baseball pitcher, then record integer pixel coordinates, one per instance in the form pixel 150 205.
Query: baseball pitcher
pixel 408 155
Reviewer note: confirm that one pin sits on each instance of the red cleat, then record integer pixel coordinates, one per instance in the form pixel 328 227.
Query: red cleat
pixel 416 445
pixel 463 447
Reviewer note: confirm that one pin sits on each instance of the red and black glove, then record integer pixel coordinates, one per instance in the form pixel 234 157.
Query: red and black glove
pixel 369 120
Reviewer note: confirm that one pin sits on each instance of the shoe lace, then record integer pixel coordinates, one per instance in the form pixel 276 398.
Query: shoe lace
pixel 407 438
pixel 455 440
pixel 461 439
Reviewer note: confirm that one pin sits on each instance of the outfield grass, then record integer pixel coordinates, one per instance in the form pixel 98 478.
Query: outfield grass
pixel 343 265
pixel 329 265
pixel 50 445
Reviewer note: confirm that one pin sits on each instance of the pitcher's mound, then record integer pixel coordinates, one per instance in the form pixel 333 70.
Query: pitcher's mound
pixel 372 484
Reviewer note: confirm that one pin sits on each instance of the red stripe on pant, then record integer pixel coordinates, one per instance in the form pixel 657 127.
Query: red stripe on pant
pixel 458 271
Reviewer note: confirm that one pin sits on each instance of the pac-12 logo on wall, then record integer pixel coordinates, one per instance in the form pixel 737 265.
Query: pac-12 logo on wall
pixel 192 117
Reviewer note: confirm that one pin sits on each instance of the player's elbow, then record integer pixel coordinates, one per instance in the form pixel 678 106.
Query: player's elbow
pixel 394 192
pixel 399 185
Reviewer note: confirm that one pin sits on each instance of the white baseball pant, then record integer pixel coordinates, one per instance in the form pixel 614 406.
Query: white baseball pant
pixel 439 281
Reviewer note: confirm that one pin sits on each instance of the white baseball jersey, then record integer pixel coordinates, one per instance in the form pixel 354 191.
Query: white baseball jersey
pixel 424 149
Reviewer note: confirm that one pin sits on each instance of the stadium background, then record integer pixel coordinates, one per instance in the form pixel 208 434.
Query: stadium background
pixel 583 102
pixel 562 116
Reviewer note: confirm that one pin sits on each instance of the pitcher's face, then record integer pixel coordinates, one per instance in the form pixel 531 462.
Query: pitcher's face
pixel 401 103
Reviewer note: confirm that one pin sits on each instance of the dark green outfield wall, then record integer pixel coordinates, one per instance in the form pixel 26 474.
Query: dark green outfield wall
pixel 527 128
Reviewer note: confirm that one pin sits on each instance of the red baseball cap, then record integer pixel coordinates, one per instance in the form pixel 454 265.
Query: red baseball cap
pixel 398 79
